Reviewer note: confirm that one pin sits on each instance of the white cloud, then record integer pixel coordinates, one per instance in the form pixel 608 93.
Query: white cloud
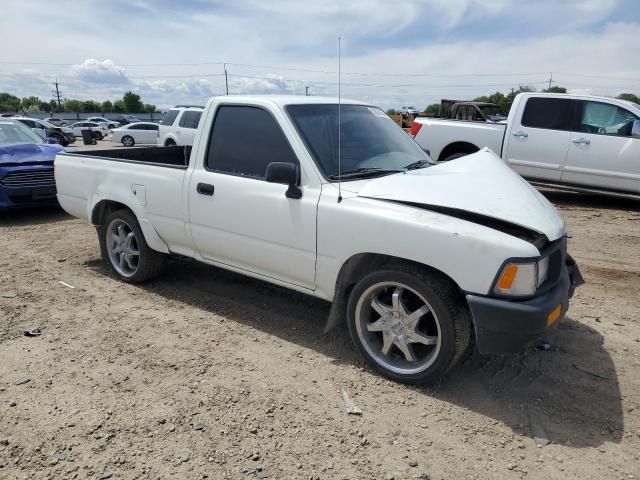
pixel 96 71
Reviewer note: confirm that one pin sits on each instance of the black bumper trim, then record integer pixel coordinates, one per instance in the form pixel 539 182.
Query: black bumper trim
pixel 503 326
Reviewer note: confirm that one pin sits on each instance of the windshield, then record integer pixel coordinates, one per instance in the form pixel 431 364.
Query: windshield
pixel 369 139
pixel 16 133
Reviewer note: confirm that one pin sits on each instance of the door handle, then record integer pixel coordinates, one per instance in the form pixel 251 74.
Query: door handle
pixel 520 134
pixel 205 189
pixel 581 141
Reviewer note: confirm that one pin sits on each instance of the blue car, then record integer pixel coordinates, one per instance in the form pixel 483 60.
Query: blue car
pixel 26 167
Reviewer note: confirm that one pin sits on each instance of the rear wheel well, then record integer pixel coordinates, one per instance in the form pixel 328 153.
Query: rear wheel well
pixel 104 208
pixel 457 147
pixel 360 265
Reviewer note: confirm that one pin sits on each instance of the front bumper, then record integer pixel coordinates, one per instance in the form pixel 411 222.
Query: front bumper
pixel 26 197
pixel 503 326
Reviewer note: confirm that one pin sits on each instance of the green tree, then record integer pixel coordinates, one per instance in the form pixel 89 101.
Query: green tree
pixel 71 105
pixel 53 106
pixel 30 104
pixel 106 106
pixel 9 103
pixel 630 97
pixel 433 109
pixel 393 111
pixel 132 102
pixel 555 89
pixel 148 108
pixel 497 98
pixel 90 106
pixel 119 107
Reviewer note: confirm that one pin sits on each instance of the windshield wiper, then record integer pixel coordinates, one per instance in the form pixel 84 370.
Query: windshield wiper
pixel 365 172
pixel 418 164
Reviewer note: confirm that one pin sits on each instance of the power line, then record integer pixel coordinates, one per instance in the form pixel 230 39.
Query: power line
pixel 331 72
pixel 407 85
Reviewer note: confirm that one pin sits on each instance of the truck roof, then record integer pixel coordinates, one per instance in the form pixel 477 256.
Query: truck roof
pixel 283 100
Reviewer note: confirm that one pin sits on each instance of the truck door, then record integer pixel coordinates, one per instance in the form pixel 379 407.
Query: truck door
pixel 537 143
pixel 602 152
pixel 239 219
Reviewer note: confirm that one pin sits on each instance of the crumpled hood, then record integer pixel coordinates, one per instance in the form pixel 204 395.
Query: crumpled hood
pixel 480 183
pixel 29 153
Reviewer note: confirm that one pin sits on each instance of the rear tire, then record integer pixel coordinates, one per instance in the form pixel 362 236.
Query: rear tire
pixel 128 141
pixel 125 250
pixel 169 143
pixel 96 135
pixel 410 324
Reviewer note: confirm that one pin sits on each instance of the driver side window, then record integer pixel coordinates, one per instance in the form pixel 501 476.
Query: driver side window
pixel 606 119
pixel 244 140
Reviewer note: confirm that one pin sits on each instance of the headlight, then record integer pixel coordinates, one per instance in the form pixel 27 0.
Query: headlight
pixel 522 278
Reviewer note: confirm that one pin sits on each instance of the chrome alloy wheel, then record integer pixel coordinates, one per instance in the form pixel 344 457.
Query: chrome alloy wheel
pixel 122 247
pixel 398 328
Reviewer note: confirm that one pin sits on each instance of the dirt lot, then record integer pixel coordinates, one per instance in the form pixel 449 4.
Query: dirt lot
pixel 206 374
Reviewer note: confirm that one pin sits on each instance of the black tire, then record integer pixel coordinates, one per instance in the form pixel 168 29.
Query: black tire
pixel 128 141
pixel 96 135
pixel 169 143
pixel 453 156
pixel 60 140
pixel 150 262
pixel 446 308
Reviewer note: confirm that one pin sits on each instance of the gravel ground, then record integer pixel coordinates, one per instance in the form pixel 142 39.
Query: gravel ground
pixel 207 374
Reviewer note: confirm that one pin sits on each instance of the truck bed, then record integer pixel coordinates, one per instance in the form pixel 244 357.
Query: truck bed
pixel 176 157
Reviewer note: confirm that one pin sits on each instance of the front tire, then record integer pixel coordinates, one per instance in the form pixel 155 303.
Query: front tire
pixel 128 141
pixel 96 135
pixel 60 140
pixel 169 143
pixel 410 324
pixel 125 250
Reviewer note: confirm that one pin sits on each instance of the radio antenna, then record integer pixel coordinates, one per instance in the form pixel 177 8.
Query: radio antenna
pixel 339 126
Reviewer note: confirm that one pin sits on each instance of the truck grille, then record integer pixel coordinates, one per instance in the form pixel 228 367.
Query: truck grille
pixel 29 178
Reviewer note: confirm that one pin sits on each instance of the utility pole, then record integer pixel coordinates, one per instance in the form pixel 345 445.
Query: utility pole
pixel 306 91
pixel 550 79
pixel 57 94
pixel 226 80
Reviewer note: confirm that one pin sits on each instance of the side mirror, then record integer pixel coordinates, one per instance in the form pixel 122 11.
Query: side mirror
pixel 285 173
pixel 51 140
pixel 635 129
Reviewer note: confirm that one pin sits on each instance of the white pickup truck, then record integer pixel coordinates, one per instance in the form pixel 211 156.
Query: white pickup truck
pixel 421 260
pixel 572 142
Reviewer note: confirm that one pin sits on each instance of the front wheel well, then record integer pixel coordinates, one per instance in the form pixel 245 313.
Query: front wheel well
pixel 457 147
pixel 360 265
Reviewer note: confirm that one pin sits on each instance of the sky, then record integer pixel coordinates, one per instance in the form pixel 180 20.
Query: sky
pixel 394 53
